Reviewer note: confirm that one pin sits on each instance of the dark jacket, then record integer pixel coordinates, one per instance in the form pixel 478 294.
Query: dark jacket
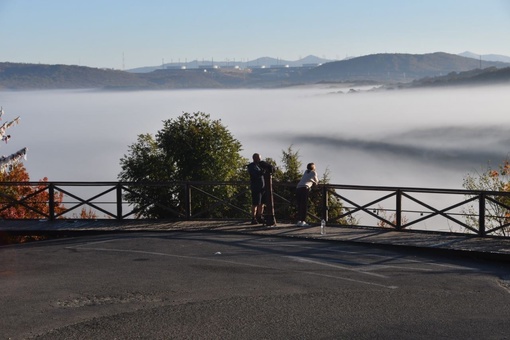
pixel 256 176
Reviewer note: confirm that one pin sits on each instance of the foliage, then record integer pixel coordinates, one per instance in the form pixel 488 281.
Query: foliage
pixel 43 76
pixel 490 75
pixel 199 148
pixel 497 211
pixel 86 214
pixel 285 178
pixel 194 148
pixel 7 162
pixel 34 198
pixel 22 201
pixel 291 164
pixel 191 147
pixel 392 217
pixel 7 238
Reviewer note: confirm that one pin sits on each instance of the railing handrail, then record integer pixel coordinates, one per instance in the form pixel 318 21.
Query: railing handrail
pixel 329 185
pixel 326 189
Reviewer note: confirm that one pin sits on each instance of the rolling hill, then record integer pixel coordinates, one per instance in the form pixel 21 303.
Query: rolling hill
pixel 40 76
pixel 381 68
pixel 395 67
pixel 490 75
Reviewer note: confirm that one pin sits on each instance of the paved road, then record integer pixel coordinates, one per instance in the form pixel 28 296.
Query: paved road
pixel 196 285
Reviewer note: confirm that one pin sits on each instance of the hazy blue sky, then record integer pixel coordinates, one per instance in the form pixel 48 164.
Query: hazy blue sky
pixel 129 33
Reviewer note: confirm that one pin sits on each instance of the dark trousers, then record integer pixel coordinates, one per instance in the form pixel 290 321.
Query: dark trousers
pixel 302 202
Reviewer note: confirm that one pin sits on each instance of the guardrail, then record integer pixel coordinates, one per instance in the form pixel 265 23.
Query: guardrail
pixel 458 211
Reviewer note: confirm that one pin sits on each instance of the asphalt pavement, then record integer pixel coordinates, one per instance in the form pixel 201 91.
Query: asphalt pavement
pixel 237 281
pixel 488 247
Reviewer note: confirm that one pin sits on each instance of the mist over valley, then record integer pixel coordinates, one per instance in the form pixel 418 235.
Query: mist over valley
pixel 421 138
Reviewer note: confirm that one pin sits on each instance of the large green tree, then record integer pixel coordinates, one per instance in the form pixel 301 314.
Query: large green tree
pixel 191 147
pixel 194 148
pixel 199 148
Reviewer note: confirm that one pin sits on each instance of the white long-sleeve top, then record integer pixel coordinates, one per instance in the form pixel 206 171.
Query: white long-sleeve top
pixel 308 180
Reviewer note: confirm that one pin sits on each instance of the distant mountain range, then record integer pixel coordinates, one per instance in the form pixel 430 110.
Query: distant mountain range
pixel 384 68
pixel 265 62
pixel 268 62
pixel 486 57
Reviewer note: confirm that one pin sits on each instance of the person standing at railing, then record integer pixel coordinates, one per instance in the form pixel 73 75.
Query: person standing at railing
pixel 308 180
pixel 258 189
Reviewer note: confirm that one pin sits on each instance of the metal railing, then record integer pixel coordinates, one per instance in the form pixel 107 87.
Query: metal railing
pixel 458 211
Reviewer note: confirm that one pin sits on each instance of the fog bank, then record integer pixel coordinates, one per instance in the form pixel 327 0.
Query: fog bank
pixel 425 138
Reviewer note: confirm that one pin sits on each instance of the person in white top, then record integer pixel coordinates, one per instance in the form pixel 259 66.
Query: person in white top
pixel 308 180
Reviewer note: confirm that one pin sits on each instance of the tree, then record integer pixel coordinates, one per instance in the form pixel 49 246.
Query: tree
pixel 199 148
pixel 497 211
pixel 6 162
pixel 21 201
pixel 34 198
pixel 86 214
pixel 291 164
pixel 191 147
pixel 286 178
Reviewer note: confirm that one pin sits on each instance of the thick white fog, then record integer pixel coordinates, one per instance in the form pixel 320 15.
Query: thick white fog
pixel 420 138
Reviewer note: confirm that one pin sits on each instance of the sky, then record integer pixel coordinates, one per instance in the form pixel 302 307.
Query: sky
pixel 125 34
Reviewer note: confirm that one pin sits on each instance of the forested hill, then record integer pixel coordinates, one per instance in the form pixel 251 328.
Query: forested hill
pixel 382 68
pixel 41 76
pixel 17 76
pixel 397 67
pixel 490 75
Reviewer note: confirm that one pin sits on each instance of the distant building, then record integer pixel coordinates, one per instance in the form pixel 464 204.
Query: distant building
pixel 279 66
pixel 175 67
pixel 208 67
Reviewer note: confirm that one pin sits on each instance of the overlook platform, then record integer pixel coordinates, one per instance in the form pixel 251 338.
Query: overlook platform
pixel 489 247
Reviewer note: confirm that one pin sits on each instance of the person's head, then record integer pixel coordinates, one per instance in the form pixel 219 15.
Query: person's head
pixel 310 166
pixel 256 157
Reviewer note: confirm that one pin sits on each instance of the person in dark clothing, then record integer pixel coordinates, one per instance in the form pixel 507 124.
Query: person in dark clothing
pixel 308 180
pixel 258 189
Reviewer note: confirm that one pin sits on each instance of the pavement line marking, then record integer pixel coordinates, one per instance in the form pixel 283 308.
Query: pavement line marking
pixel 242 264
pixel 365 270
pixel 369 267
pixel 351 280
pixel 301 259
pixel 333 250
pixel 95 242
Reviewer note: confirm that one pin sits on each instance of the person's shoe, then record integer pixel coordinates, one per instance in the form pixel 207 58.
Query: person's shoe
pixel 254 221
pixel 299 224
pixel 304 224
pixel 261 220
